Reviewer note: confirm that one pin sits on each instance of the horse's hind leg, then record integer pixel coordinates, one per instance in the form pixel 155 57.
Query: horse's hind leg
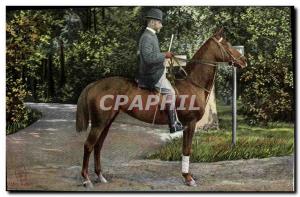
pixel 97 150
pixel 88 148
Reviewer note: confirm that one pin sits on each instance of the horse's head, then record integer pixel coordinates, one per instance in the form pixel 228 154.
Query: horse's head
pixel 227 53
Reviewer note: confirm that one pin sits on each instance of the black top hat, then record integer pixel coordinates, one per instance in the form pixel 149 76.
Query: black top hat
pixel 155 14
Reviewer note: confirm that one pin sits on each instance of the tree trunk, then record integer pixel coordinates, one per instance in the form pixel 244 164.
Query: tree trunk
pixel 44 70
pixel 23 72
pixel 62 65
pixel 95 20
pixel 210 117
pixel 103 14
pixel 88 19
pixel 50 81
pixel 33 88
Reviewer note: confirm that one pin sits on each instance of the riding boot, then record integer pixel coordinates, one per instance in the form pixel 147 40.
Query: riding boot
pixel 174 124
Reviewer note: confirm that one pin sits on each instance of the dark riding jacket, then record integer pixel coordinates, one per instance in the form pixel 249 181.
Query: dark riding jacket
pixel 151 60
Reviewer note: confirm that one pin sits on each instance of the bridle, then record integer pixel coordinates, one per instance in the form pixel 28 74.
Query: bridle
pixel 224 51
pixel 227 52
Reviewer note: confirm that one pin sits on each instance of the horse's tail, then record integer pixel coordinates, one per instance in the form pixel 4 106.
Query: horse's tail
pixel 82 113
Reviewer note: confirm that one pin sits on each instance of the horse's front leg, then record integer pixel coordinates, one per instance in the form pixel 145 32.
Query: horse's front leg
pixel 186 152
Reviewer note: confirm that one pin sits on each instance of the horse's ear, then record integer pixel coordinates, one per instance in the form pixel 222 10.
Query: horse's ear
pixel 220 32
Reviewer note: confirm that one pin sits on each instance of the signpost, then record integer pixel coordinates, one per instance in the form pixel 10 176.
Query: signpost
pixel 234 95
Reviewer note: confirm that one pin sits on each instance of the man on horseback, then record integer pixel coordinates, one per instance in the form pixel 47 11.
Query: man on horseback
pixel 152 72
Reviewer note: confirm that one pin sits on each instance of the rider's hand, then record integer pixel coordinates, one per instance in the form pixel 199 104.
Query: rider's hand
pixel 169 54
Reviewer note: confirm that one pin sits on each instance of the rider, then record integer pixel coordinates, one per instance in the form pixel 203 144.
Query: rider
pixel 152 72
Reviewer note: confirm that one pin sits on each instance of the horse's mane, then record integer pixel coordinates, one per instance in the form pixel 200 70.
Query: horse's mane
pixel 201 50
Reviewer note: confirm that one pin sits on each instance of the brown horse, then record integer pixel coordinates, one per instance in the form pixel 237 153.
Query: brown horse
pixel 201 71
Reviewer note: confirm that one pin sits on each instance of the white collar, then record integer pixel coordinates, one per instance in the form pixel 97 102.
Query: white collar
pixel 152 30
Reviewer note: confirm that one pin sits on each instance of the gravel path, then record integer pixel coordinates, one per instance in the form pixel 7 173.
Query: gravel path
pixel 48 155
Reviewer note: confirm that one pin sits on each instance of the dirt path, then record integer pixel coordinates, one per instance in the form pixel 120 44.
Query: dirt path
pixel 48 155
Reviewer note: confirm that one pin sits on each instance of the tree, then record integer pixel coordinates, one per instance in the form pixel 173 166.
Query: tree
pixel 192 27
pixel 28 34
pixel 54 53
pixel 268 81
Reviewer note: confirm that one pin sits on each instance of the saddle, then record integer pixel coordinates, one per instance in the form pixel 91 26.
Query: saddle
pixel 152 89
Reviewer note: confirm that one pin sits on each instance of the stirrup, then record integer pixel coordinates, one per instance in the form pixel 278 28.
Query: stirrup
pixel 177 127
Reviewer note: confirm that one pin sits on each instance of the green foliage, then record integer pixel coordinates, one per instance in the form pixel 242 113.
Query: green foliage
pixel 266 85
pixel 53 54
pixel 275 139
pixel 111 52
pixel 29 117
pixel 223 83
pixel 15 95
pixel 191 26
pixel 21 56
pixel 217 147
pixel 28 42
pixel 88 58
pixel 268 81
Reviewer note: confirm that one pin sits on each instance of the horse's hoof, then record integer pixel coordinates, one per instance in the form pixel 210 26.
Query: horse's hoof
pixel 88 184
pixel 101 179
pixel 191 182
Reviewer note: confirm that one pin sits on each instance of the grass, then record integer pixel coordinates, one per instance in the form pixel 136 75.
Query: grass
pixel 33 115
pixel 274 139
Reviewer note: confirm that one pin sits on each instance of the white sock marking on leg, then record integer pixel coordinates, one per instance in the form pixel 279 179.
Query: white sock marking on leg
pixel 185 164
pixel 102 179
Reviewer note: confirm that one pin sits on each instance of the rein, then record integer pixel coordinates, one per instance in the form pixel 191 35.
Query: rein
pixel 214 64
pixel 207 62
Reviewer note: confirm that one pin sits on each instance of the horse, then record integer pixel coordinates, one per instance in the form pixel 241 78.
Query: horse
pixel 201 70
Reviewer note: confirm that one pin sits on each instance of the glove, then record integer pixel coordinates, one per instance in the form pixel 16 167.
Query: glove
pixel 169 54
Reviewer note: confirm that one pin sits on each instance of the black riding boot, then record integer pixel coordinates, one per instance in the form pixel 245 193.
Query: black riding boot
pixel 174 124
